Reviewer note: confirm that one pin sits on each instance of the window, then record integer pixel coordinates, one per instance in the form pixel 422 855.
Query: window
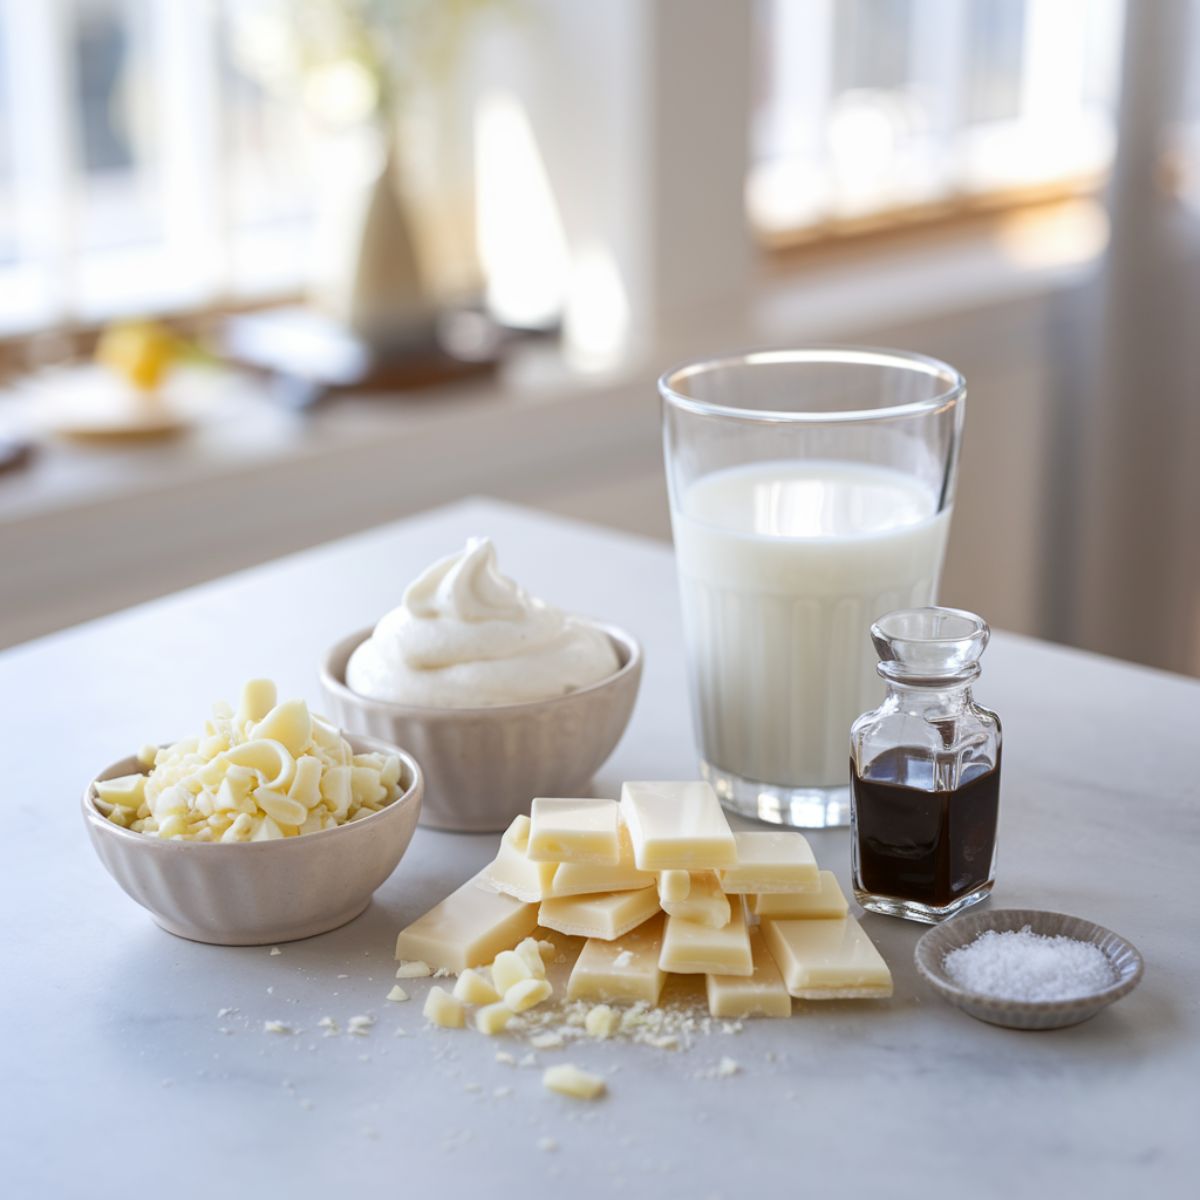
pixel 877 110
pixel 143 165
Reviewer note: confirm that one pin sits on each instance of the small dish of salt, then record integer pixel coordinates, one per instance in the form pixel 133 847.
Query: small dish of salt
pixel 1026 969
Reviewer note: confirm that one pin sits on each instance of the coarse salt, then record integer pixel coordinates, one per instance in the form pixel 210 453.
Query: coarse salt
pixel 1023 965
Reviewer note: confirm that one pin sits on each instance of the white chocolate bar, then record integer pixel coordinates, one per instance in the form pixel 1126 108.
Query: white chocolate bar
pixel 692 949
pixel 581 879
pixel 771 861
pixel 762 994
pixel 607 916
pixel 623 971
pixel 467 929
pixel 705 903
pixel 515 874
pixel 827 903
pixel 827 960
pixel 677 825
pixel 574 830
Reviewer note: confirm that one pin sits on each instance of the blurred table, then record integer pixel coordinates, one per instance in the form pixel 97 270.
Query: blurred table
pixel 119 1079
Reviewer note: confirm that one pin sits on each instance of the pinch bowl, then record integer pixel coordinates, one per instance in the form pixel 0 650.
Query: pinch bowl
pixel 259 893
pixel 932 948
pixel 484 765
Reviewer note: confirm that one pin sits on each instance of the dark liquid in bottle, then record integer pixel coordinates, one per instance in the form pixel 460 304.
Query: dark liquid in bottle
pixel 925 846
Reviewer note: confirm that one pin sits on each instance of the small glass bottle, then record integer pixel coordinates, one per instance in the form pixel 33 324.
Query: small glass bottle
pixel 925 771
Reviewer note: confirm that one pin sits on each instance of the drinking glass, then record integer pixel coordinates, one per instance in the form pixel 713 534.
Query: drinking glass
pixel 811 492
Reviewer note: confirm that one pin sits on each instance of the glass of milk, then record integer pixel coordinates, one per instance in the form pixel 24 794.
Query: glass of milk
pixel 811 492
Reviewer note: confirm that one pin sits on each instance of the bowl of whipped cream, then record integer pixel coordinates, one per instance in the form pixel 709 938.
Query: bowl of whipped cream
pixel 500 696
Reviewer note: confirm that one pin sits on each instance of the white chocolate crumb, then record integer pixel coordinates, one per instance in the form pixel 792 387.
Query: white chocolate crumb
pixel 398 1032
pixel 360 1026
pixel 501 1092
pixel 503 1056
pixel 548 948
pixel 276 1027
pixel 442 972
pixel 275 951
pixel 623 959
pixel 397 994
pixel 224 1012
pixel 602 1021
pixel 343 976
pixel 414 970
pixel 530 1060
pixel 547 1145
pixel 546 1041
pixel 726 1067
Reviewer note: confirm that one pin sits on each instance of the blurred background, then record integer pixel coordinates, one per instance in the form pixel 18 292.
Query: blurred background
pixel 273 271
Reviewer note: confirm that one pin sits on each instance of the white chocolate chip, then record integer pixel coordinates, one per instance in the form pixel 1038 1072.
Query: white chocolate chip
pixel 529 951
pixel 509 969
pixel 569 1080
pixel 492 1018
pixel 413 970
pixel 526 994
pixel 397 994
pixel 442 1009
pixel 472 988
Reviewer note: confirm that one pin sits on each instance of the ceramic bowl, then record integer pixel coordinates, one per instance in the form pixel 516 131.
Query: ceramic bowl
pixel 254 893
pixel 931 951
pixel 483 765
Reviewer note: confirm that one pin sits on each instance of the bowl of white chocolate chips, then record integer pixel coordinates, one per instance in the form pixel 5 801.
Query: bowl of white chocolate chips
pixel 266 827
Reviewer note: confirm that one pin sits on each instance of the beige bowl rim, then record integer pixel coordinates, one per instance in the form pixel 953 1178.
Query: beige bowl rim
pixel 333 671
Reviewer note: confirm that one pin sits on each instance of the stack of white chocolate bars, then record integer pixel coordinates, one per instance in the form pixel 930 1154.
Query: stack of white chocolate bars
pixel 659 884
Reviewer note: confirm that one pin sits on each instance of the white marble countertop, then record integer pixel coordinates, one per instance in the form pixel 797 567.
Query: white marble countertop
pixel 118 1079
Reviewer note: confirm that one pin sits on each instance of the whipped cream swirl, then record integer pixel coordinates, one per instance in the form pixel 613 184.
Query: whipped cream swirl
pixel 466 636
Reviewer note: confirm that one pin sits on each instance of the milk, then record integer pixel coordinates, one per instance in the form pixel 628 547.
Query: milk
pixel 783 566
